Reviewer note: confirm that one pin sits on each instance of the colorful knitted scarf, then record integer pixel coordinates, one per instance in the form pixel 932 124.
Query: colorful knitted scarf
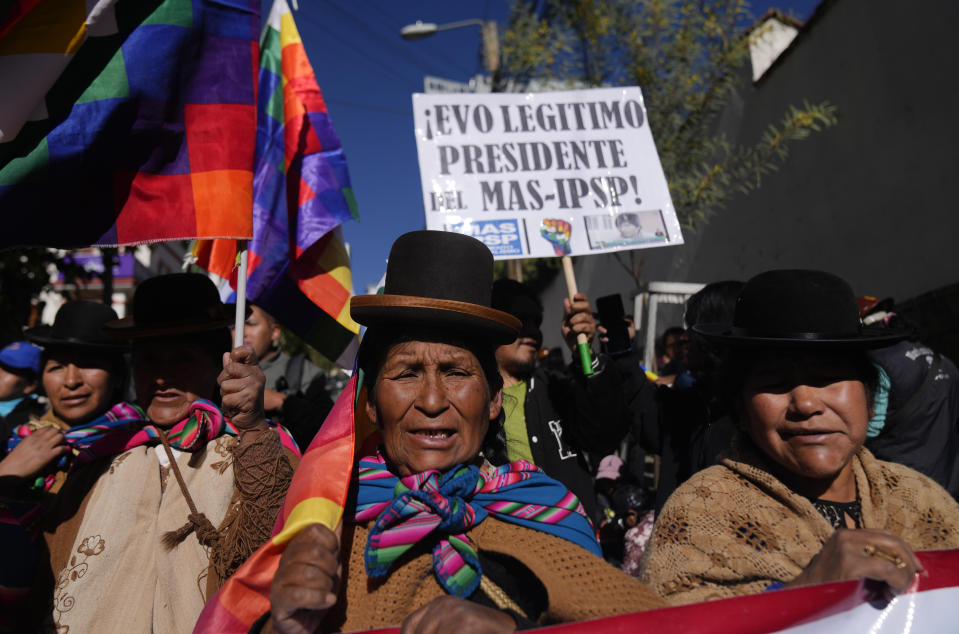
pixel 125 426
pixel 411 509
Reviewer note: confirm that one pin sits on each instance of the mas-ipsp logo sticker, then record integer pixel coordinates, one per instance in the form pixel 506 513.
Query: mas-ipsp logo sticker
pixel 503 237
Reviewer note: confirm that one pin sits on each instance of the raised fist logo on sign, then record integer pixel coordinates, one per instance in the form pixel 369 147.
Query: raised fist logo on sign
pixel 557 233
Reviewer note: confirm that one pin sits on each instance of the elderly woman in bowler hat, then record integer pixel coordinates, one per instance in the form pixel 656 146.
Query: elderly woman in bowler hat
pixel 797 499
pixel 443 535
pixel 164 497
pixel 82 372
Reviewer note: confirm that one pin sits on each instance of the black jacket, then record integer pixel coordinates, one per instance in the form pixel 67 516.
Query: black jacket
pixel 922 423
pixel 643 411
pixel 570 414
pixel 687 428
pixel 307 403
pixel 694 429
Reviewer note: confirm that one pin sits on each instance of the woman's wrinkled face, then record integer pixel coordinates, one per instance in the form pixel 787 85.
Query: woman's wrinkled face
pixel 79 384
pixel 170 373
pixel 433 405
pixel 808 413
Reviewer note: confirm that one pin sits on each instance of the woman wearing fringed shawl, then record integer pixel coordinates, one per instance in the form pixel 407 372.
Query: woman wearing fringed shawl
pixel 165 497
pixel 441 533
pixel 797 499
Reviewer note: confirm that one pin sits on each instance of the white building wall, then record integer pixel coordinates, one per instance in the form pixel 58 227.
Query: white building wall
pixel 767 42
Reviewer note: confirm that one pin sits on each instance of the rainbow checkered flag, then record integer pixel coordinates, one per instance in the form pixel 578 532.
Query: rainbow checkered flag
pixel 126 121
pixel 299 269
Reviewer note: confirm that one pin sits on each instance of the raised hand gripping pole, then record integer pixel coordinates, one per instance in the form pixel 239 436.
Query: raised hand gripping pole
pixel 582 342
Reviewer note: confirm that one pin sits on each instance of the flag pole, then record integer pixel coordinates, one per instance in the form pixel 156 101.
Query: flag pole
pixel 240 319
pixel 582 342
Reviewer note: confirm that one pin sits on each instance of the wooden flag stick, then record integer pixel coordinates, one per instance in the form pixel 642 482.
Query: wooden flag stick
pixel 582 342
pixel 241 256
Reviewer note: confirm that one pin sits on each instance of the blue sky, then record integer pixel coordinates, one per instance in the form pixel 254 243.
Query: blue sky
pixel 368 73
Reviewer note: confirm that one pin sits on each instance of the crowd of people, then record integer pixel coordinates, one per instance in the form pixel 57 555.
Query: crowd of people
pixel 794 435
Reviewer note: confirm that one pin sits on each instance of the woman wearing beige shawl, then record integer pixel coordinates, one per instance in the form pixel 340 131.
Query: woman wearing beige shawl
pixel 165 497
pixel 798 499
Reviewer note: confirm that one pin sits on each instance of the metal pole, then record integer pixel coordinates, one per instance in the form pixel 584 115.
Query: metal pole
pixel 649 355
pixel 491 60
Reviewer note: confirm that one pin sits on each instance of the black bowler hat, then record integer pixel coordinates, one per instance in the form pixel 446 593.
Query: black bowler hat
pixel 175 304
pixel 77 325
pixel 798 308
pixel 438 278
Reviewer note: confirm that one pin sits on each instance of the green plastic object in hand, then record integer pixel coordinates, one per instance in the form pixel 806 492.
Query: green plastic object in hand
pixel 585 358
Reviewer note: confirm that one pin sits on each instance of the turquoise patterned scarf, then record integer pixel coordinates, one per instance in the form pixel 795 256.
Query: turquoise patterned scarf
pixel 443 507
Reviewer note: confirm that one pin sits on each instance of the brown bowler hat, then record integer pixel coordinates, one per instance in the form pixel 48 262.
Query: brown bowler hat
pixel 438 278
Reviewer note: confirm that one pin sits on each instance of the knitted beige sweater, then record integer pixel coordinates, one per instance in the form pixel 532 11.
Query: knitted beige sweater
pixel 734 528
pixel 579 585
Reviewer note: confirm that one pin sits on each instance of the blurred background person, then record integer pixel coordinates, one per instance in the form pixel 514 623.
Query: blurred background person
pixel 295 395
pixel 693 425
pixel 553 420
pixel 671 362
pixel 624 504
pixel 635 509
pixel 915 418
pixel 685 424
pixel 19 387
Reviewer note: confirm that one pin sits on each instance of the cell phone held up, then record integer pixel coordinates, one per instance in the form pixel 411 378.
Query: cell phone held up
pixel 612 317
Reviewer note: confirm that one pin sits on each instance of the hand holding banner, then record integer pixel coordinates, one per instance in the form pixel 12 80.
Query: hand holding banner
pixel 844 606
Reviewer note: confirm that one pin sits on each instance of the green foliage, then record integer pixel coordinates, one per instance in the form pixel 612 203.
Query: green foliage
pixel 24 274
pixel 736 169
pixel 688 56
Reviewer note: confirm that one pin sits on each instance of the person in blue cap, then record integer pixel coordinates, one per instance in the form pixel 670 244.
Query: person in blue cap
pixel 19 384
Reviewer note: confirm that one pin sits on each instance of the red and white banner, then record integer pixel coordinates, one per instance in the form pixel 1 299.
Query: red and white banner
pixel 932 607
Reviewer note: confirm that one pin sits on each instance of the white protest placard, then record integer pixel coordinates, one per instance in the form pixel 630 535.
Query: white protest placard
pixel 544 174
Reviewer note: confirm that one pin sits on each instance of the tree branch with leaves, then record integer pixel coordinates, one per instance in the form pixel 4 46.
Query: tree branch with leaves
pixel 689 57
pixel 24 273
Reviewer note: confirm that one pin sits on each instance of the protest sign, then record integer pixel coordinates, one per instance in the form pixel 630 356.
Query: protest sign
pixel 544 174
